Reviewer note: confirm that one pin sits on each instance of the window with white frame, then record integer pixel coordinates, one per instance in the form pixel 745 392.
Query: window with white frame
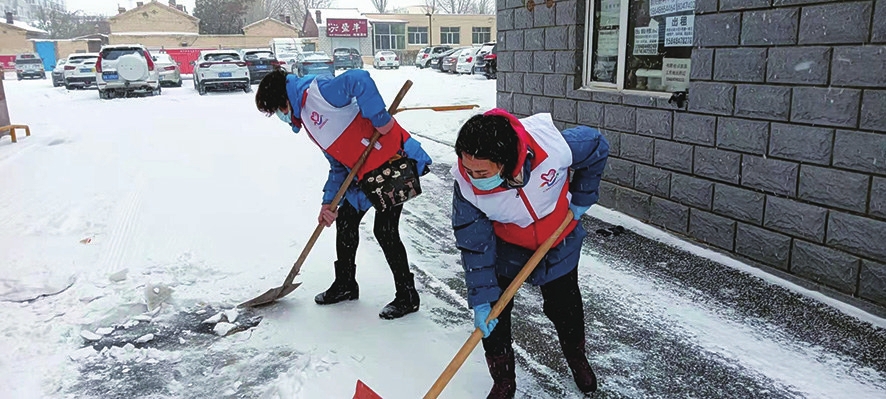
pixel 480 35
pixel 417 34
pixel 642 45
pixel 450 35
pixel 389 36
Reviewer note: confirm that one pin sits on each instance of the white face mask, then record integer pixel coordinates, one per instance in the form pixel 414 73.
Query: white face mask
pixel 285 117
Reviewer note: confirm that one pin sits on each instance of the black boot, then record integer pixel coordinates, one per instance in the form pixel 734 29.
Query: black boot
pixel 405 300
pixel 344 288
pixel 582 373
pixel 504 379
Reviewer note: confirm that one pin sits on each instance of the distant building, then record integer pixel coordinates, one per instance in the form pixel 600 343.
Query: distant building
pixel 338 28
pixel 16 36
pixel 26 10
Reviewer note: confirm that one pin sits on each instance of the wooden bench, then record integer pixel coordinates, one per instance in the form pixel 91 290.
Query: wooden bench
pixel 11 131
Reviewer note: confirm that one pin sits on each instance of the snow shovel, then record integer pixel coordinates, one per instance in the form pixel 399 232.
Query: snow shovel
pixel 441 108
pixel 287 287
pixel 363 391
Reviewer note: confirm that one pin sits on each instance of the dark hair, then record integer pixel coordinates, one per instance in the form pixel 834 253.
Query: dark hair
pixel 489 137
pixel 271 93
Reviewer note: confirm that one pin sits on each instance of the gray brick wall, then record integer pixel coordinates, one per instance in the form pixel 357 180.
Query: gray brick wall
pixel 780 157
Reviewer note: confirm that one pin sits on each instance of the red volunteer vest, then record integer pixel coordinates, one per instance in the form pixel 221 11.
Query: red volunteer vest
pixel 528 217
pixel 344 134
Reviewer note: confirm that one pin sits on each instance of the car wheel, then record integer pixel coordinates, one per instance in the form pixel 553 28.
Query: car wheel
pixel 179 84
pixel 69 87
pixel 201 89
pixel 247 89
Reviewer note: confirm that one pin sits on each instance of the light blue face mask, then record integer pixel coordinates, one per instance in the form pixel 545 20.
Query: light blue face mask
pixel 487 183
pixel 286 118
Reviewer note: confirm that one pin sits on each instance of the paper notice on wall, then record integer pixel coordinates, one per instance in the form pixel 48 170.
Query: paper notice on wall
pixel 663 7
pixel 678 31
pixel 610 12
pixel 675 73
pixel 646 40
pixel 607 43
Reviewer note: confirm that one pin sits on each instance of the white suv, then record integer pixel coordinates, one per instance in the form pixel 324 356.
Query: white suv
pixel 80 70
pixel 126 69
pixel 220 70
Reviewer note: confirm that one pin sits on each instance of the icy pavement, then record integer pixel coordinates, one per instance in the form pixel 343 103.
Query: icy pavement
pixel 129 229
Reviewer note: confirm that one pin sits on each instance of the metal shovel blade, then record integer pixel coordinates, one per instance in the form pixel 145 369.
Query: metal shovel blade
pixel 364 392
pixel 271 295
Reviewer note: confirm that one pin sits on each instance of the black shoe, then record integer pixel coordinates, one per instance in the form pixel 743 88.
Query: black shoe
pixel 405 302
pixel 582 373
pixel 504 379
pixel 344 288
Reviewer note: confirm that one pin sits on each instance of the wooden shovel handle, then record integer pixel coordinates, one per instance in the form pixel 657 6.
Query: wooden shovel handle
pixel 344 186
pixel 441 108
pixel 503 301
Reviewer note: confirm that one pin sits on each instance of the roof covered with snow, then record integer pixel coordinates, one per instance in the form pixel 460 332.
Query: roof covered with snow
pixel 154 34
pixel 25 26
pixel 335 13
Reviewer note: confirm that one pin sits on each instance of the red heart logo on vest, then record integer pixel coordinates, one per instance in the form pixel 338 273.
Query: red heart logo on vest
pixel 550 177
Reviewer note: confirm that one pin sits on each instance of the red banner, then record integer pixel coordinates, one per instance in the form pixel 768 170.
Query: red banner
pixel 7 62
pixel 347 28
pixel 183 56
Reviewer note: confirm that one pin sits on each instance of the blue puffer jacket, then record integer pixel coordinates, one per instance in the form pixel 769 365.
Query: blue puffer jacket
pixel 484 256
pixel 340 91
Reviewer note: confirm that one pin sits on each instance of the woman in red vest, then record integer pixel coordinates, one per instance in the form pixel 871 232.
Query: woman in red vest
pixel 516 180
pixel 340 114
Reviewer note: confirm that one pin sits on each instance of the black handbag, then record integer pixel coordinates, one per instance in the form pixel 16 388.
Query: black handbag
pixel 392 183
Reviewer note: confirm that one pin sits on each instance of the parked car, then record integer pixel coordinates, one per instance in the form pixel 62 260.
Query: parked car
pixel 423 58
pixel 259 61
pixel 124 69
pixel 80 72
pixel 58 73
pixel 287 61
pixel 347 58
pixel 386 59
pixel 29 65
pixel 437 60
pixel 450 61
pixel 314 63
pixel 170 70
pixel 221 70
pixel 465 63
pixel 479 62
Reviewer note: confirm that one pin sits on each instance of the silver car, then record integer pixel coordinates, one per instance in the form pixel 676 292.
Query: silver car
pixel 170 72
pixel 58 73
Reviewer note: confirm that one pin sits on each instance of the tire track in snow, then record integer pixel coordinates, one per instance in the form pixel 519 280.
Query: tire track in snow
pixel 120 235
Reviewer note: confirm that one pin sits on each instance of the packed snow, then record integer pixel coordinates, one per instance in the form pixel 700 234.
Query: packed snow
pixel 130 229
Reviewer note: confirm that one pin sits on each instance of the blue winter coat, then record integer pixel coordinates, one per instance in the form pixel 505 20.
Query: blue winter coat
pixel 340 91
pixel 485 256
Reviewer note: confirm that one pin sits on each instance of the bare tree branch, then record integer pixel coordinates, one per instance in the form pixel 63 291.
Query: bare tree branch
pixel 380 5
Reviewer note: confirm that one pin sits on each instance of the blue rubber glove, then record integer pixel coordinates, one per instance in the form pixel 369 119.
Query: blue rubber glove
pixel 481 312
pixel 578 210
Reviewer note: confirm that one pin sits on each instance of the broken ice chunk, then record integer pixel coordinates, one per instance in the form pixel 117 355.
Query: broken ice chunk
pixel 223 328
pixel 118 276
pixel 90 336
pixel 231 315
pixel 214 319
pixel 104 330
pixel 144 338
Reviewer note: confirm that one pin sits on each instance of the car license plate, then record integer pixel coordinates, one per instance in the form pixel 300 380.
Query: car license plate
pixel 224 74
pixel 85 70
pixel 109 76
pixel 261 67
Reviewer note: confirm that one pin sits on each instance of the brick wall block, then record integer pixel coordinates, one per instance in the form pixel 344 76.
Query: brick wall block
pixel 702 64
pixel 865 152
pixel 654 122
pixel 795 218
pixel 567 13
pixel 692 191
pixel 727 5
pixel 545 16
pixel 801 143
pixel 834 188
pixel 799 65
pixel 717 164
pixel 740 64
pixel 564 110
pixel 697 129
pixel 555 85
pixel 514 81
pixel 857 235
pixel 638 101
pixel 504 100
pixel 619 171
pixel 762 245
pixel 859 66
pixel 556 38
pixel 606 97
pixel 840 22
pixel 776 27
pixel 826 106
pixel 737 203
pixel 506 61
pixel 543 61
pixel 565 62
pixel 717 30
pixel 590 114
pixel 878 35
pixel 504 20
pixel 770 175
pixel 763 102
pixel 671 155
pixel 824 265
pixel 523 61
pixel 872 105
pixel 522 104
pixel 711 97
pixel 620 117
pixel 705 6
pixel 533 83
pixel 669 214
pixel 523 19
pixel 542 105
pixel 873 281
pixel 607 194
pixel 514 40
pixel 534 39
pixel 652 180
pixel 742 135
pixel 712 229
pixel 637 148
pixel 878 197
pixel 633 203
pixel 614 140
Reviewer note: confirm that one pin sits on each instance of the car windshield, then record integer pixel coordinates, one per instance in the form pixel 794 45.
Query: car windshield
pixel 264 55
pixel 87 61
pixel 318 55
pixel 115 53
pixel 221 57
pixel 342 51
pixel 29 61
pixel 287 55
pixel 164 58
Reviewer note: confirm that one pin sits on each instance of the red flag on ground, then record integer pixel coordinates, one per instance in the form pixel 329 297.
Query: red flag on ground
pixel 363 392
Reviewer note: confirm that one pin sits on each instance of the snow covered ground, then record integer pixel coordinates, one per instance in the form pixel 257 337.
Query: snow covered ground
pixel 130 228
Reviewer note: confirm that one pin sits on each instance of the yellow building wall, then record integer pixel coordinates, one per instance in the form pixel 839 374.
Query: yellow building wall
pixel 271 29
pixel 153 17
pixel 64 48
pixel 465 23
pixel 14 41
pixel 201 41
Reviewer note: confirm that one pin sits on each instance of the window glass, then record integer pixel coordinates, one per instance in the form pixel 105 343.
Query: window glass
pixel 659 45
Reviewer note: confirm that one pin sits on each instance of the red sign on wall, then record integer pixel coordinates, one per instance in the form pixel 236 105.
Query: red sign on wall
pixel 346 28
pixel 7 61
pixel 183 56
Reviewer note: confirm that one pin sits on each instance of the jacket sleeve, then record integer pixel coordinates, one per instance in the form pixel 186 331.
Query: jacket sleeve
pixel 412 149
pixel 338 172
pixel 475 239
pixel 590 150
pixel 356 83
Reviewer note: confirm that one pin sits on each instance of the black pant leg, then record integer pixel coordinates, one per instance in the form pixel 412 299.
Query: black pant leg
pixel 500 339
pixel 563 306
pixel 387 232
pixel 347 230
